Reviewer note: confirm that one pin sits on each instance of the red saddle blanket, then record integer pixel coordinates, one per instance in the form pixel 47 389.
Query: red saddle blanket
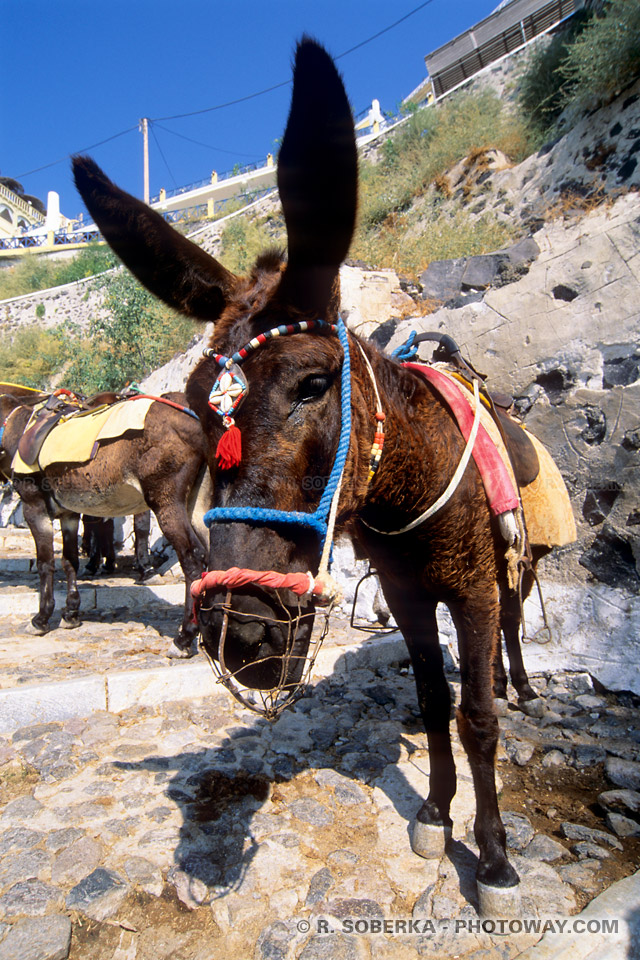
pixel 499 487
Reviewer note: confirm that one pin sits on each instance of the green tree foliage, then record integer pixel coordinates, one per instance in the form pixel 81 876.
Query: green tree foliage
pixel 592 59
pixel 136 335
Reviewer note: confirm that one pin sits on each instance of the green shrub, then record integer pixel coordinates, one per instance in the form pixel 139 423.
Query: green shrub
pixel 605 56
pixel 242 241
pixel 429 144
pixel 38 272
pixel 542 88
pixel 32 355
pixel 591 60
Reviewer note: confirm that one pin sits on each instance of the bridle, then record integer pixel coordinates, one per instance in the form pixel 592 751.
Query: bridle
pixel 227 394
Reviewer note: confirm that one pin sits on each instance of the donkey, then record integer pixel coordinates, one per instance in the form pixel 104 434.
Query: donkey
pixel 164 468
pixel 275 395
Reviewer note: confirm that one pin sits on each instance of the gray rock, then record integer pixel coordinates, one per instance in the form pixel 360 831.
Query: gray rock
pixel 554 758
pixel 576 831
pixel 23 866
pixel 330 946
pixel 519 830
pixel 21 809
pixel 144 874
pixel 73 862
pixel 47 938
pixel 623 773
pixel 620 801
pixel 354 907
pixel 623 826
pixel 519 751
pixel 442 279
pixel 480 272
pixel 18 838
pixel 311 811
pixel 32 898
pixel 585 755
pixel 580 683
pixel 98 895
pixel 584 850
pixel 321 883
pixel 273 942
pixel 545 848
pixel 590 702
pixel 581 875
pixel 59 839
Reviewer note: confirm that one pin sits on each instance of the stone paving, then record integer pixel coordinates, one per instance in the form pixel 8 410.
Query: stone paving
pixel 192 829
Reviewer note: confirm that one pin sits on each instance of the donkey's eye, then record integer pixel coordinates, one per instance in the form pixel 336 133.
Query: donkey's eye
pixel 313 386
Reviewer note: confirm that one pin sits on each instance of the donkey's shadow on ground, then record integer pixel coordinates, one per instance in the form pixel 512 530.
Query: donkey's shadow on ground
pixel 221 790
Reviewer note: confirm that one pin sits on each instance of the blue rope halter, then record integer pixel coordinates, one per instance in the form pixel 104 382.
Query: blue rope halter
pixel 318 519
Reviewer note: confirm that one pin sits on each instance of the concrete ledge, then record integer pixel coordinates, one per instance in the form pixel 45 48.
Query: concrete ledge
pixel 26 602
pixel 116 691
pixel 34 703
pixel 181 681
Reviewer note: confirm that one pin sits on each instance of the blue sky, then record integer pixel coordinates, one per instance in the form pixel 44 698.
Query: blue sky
pixel 76 72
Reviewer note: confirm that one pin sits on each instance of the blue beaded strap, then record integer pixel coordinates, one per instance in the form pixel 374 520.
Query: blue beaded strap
pixel 318 519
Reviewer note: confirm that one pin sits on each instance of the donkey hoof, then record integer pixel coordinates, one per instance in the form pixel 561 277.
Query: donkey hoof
pixel 70 624
pixel 34 630
pixel 428 840
pixel 177 653
pixel 499 903
pixel 533 708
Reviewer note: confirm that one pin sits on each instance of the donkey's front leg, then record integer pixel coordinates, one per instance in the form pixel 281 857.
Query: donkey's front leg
pixel 477 624
pixel 175 525
pixel 70 563
pixel 417 621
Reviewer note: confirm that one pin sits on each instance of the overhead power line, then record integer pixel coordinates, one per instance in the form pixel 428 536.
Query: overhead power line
pixel 68 156
pixel 209 146
pixel 287 83
pixel 228 103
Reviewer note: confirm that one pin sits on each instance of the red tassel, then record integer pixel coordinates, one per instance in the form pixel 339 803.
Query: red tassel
pixel 229 450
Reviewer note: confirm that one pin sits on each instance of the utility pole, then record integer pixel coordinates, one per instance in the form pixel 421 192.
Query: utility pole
pixel 145 154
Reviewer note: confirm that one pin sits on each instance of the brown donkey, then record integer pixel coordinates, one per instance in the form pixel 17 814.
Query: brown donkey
pixel 278 331
pixel 163 467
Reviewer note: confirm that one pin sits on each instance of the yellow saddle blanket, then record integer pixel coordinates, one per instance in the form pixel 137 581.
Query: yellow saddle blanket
pixel 75 439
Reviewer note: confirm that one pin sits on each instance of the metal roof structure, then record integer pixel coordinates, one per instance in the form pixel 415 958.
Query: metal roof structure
pixel 512 25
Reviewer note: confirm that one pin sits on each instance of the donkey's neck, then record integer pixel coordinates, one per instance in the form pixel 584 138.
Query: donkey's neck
pixel 421 449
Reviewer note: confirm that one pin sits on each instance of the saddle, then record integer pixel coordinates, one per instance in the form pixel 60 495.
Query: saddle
pixel 522 453
pixel 43 420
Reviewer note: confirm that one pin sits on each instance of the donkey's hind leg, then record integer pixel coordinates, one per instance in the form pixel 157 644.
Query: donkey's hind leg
pixel 41 526
pixel 142 531
pixel 417 621
pixel 70 563
pixel 476 619
pixel 511 621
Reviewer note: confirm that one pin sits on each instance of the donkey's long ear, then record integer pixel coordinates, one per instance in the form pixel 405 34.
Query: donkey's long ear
pixel 317 178
pixel 170 266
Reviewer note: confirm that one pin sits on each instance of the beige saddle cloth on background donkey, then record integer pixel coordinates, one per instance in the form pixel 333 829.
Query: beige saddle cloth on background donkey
pixel 76 438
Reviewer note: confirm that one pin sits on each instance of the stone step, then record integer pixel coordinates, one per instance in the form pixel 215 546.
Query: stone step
pixel 118 690
pixel 24 601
